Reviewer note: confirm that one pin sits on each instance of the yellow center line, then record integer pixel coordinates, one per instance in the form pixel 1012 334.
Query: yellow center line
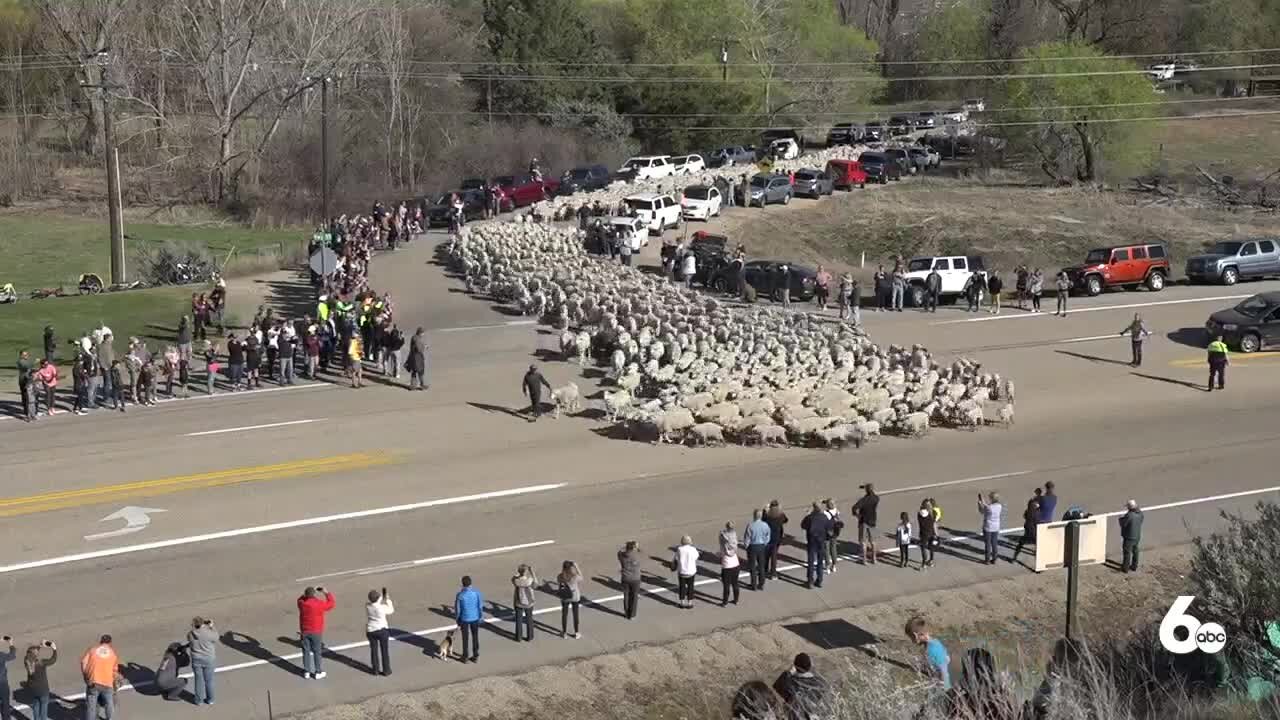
pixel 10 507
pixel 1239 359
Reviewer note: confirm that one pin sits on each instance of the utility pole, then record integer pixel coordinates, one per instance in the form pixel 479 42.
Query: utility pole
pixel 724 60
pixel 324 150
pixel 1073 577
pixel 115 200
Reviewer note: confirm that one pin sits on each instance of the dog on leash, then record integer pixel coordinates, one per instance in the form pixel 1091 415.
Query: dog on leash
pixel 446 647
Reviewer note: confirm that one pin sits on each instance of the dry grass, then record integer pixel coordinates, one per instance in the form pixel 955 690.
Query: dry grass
pixel 1005 220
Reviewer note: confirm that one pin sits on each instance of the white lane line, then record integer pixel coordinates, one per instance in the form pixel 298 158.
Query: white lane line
pixel 509 323
pixel 389 567
pixel 647 591
pixel 1099 308
pixel 254 427
pixel 216 396
pixel 275 527
pixel 963 481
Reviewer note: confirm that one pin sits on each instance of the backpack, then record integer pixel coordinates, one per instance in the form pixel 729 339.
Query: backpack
pixel 1075 512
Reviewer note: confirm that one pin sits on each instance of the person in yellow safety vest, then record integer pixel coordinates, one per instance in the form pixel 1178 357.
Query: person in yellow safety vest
pixel 322 309
pixel 1217 363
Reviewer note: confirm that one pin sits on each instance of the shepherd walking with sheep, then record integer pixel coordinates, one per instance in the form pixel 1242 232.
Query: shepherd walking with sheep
pixel 532 386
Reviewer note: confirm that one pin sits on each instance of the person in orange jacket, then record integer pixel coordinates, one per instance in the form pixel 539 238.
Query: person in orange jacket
pixel 101 666
pixel 312 606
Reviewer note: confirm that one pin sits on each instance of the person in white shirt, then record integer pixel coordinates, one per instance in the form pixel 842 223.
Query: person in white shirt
pixel 685 563
pixel 992 511
pixel 903 535
pixel 690 268
pixel 378 631
pixel 729 563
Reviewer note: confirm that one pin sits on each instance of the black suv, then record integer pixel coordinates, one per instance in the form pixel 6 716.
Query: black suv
pixel 584 179
pixel 844 134
pixel 879 167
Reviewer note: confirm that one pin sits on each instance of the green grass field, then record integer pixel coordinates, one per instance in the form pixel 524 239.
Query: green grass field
pixel 43 250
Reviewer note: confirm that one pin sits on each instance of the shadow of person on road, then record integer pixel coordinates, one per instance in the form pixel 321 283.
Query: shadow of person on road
pixel 141 677
pixel 1190 336
pixel 499 409
pixel 329 654
pixel 426 644
pixel 249 645
pixel 1093 358
pixel 1172 381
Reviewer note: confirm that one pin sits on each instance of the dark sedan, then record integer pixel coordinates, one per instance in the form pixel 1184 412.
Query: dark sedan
pixel 874 132
pixel 440 206
pixel 766 277
pixel 813 183
pixel 584 179
pixel 1250 326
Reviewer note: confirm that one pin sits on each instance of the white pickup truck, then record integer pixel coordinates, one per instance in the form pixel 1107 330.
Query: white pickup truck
pixel 954 269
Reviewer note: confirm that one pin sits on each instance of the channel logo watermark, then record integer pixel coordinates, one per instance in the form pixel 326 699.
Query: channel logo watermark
pixel 1206 637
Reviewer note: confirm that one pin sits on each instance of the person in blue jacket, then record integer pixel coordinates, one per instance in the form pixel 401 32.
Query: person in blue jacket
pixel 468 609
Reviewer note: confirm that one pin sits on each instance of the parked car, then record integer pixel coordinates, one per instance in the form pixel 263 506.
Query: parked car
pixel 974 105
pixel 1230 262
pixel 659 212
pixel 955 116
pixel 900 125
pixel 1251 326
pixel 767 189
pixel 784 149
pixel 688 164
pixel 844 134
pixel 1159 72
pixel 926 119
pixel 634 229
pixel 935 157
pixel 1127 266
pixel 700 202
pixel 768 136
pixel 523 189
pixel 919 158
pixel 711 254
pixel 902 158
pixel 846 173
pixel 646 167
pixel 813 183
pixel 474 184
pixel 873 132
pixel 732 155
pixel 879 168
pixel 954 269
pixel 584 179
pixel 765 277
pixel 440 207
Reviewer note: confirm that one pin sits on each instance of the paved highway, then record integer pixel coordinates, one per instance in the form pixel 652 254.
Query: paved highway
pixel 246 499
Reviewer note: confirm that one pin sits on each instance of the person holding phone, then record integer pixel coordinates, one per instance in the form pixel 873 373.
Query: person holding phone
pixel 202 641
pixel 6 707
pixel 377 629
pixel 312 606
pixel 38 678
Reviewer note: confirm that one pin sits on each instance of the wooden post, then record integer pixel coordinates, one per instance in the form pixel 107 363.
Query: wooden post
pixel 1072 561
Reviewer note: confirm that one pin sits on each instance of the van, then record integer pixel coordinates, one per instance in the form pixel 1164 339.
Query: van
pixel 658 212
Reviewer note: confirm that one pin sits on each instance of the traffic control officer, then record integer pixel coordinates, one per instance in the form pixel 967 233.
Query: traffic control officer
pixel 1217 363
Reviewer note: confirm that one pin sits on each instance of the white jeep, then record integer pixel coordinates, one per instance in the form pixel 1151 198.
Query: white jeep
pixel 954 269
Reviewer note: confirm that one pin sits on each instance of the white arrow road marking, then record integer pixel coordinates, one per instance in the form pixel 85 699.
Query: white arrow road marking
pixel 136 519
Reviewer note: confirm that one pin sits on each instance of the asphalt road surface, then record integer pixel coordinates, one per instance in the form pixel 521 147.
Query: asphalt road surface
pixel 238 502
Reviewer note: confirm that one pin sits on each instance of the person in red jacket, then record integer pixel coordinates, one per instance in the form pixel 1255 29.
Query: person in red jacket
pixel 312 606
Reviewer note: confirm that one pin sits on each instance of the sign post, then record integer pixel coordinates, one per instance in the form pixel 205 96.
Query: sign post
pixel 1072 561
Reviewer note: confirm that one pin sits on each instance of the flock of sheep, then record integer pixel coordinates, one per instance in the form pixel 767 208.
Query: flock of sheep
pixel 687 367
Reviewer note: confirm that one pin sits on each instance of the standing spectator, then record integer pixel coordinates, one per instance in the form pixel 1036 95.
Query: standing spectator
pixel 416 363
pixel 928 534
pixel 629 574
pixel 38 678
pixel 936 659
pixel 1130 536
pixel 899 285
pixel 624 250
pixel 391 346
pixel 311 345
pixel 865 511
pixel 849 299
pixel 1217 363
pixel 106 355
pixel 882 288
pixel 902 534
pixel 729 564
pixel 117 386
pixel 757 542
pixel 1030 519
pixel 685 564
pixel 806 695
pixel 168 682
pixel 817 528
pixel 79 384
pixel 777 520
pixel 378 631
pixel 311 612
pixel 837 525
pixel 1138 333
pixel 822 287
pixel 26 384
pixel 973 291
pixel 994 287
pixel 47 379
pixel 1064 288
pixel 932 290
pixel 200 316
pixel 532 386
pixel 1021 278
pixel 218 302
pixel 1048 503
pixel 100 667
pixel 287 343
pixel 689 268
pixel 211 366
pixel 522 600
pixel 992 512
pixel 1036 288
pixel 468 609
pixel 184 339
pixel 253 359
pixel 740 272
pixel 202 644
pixel 355 360
pixel 784 284
pixel 569 588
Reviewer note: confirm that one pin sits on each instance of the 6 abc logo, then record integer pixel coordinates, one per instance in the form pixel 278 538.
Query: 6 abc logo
pixel 1207 637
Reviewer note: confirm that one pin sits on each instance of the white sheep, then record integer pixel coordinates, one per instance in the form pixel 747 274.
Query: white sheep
pixel 672 422
pixel 567 398
pixel 770 435
pixel 706 433
pixel 615 402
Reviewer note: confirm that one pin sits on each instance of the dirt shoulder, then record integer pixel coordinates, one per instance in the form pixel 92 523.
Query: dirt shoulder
pixel 1017 618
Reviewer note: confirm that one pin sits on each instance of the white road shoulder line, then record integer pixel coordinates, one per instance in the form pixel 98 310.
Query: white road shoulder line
pixel 216 396
pixel 274 527
pixel 962 481
pixel 1016 315
pixel 509 323
pixel 389 567
pixel 254 427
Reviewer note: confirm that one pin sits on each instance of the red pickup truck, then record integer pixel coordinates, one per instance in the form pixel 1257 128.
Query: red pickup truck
pixel 521 190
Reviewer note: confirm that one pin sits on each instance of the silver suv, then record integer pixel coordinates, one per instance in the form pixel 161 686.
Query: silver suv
pixel 1230 262
pixel 767 189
